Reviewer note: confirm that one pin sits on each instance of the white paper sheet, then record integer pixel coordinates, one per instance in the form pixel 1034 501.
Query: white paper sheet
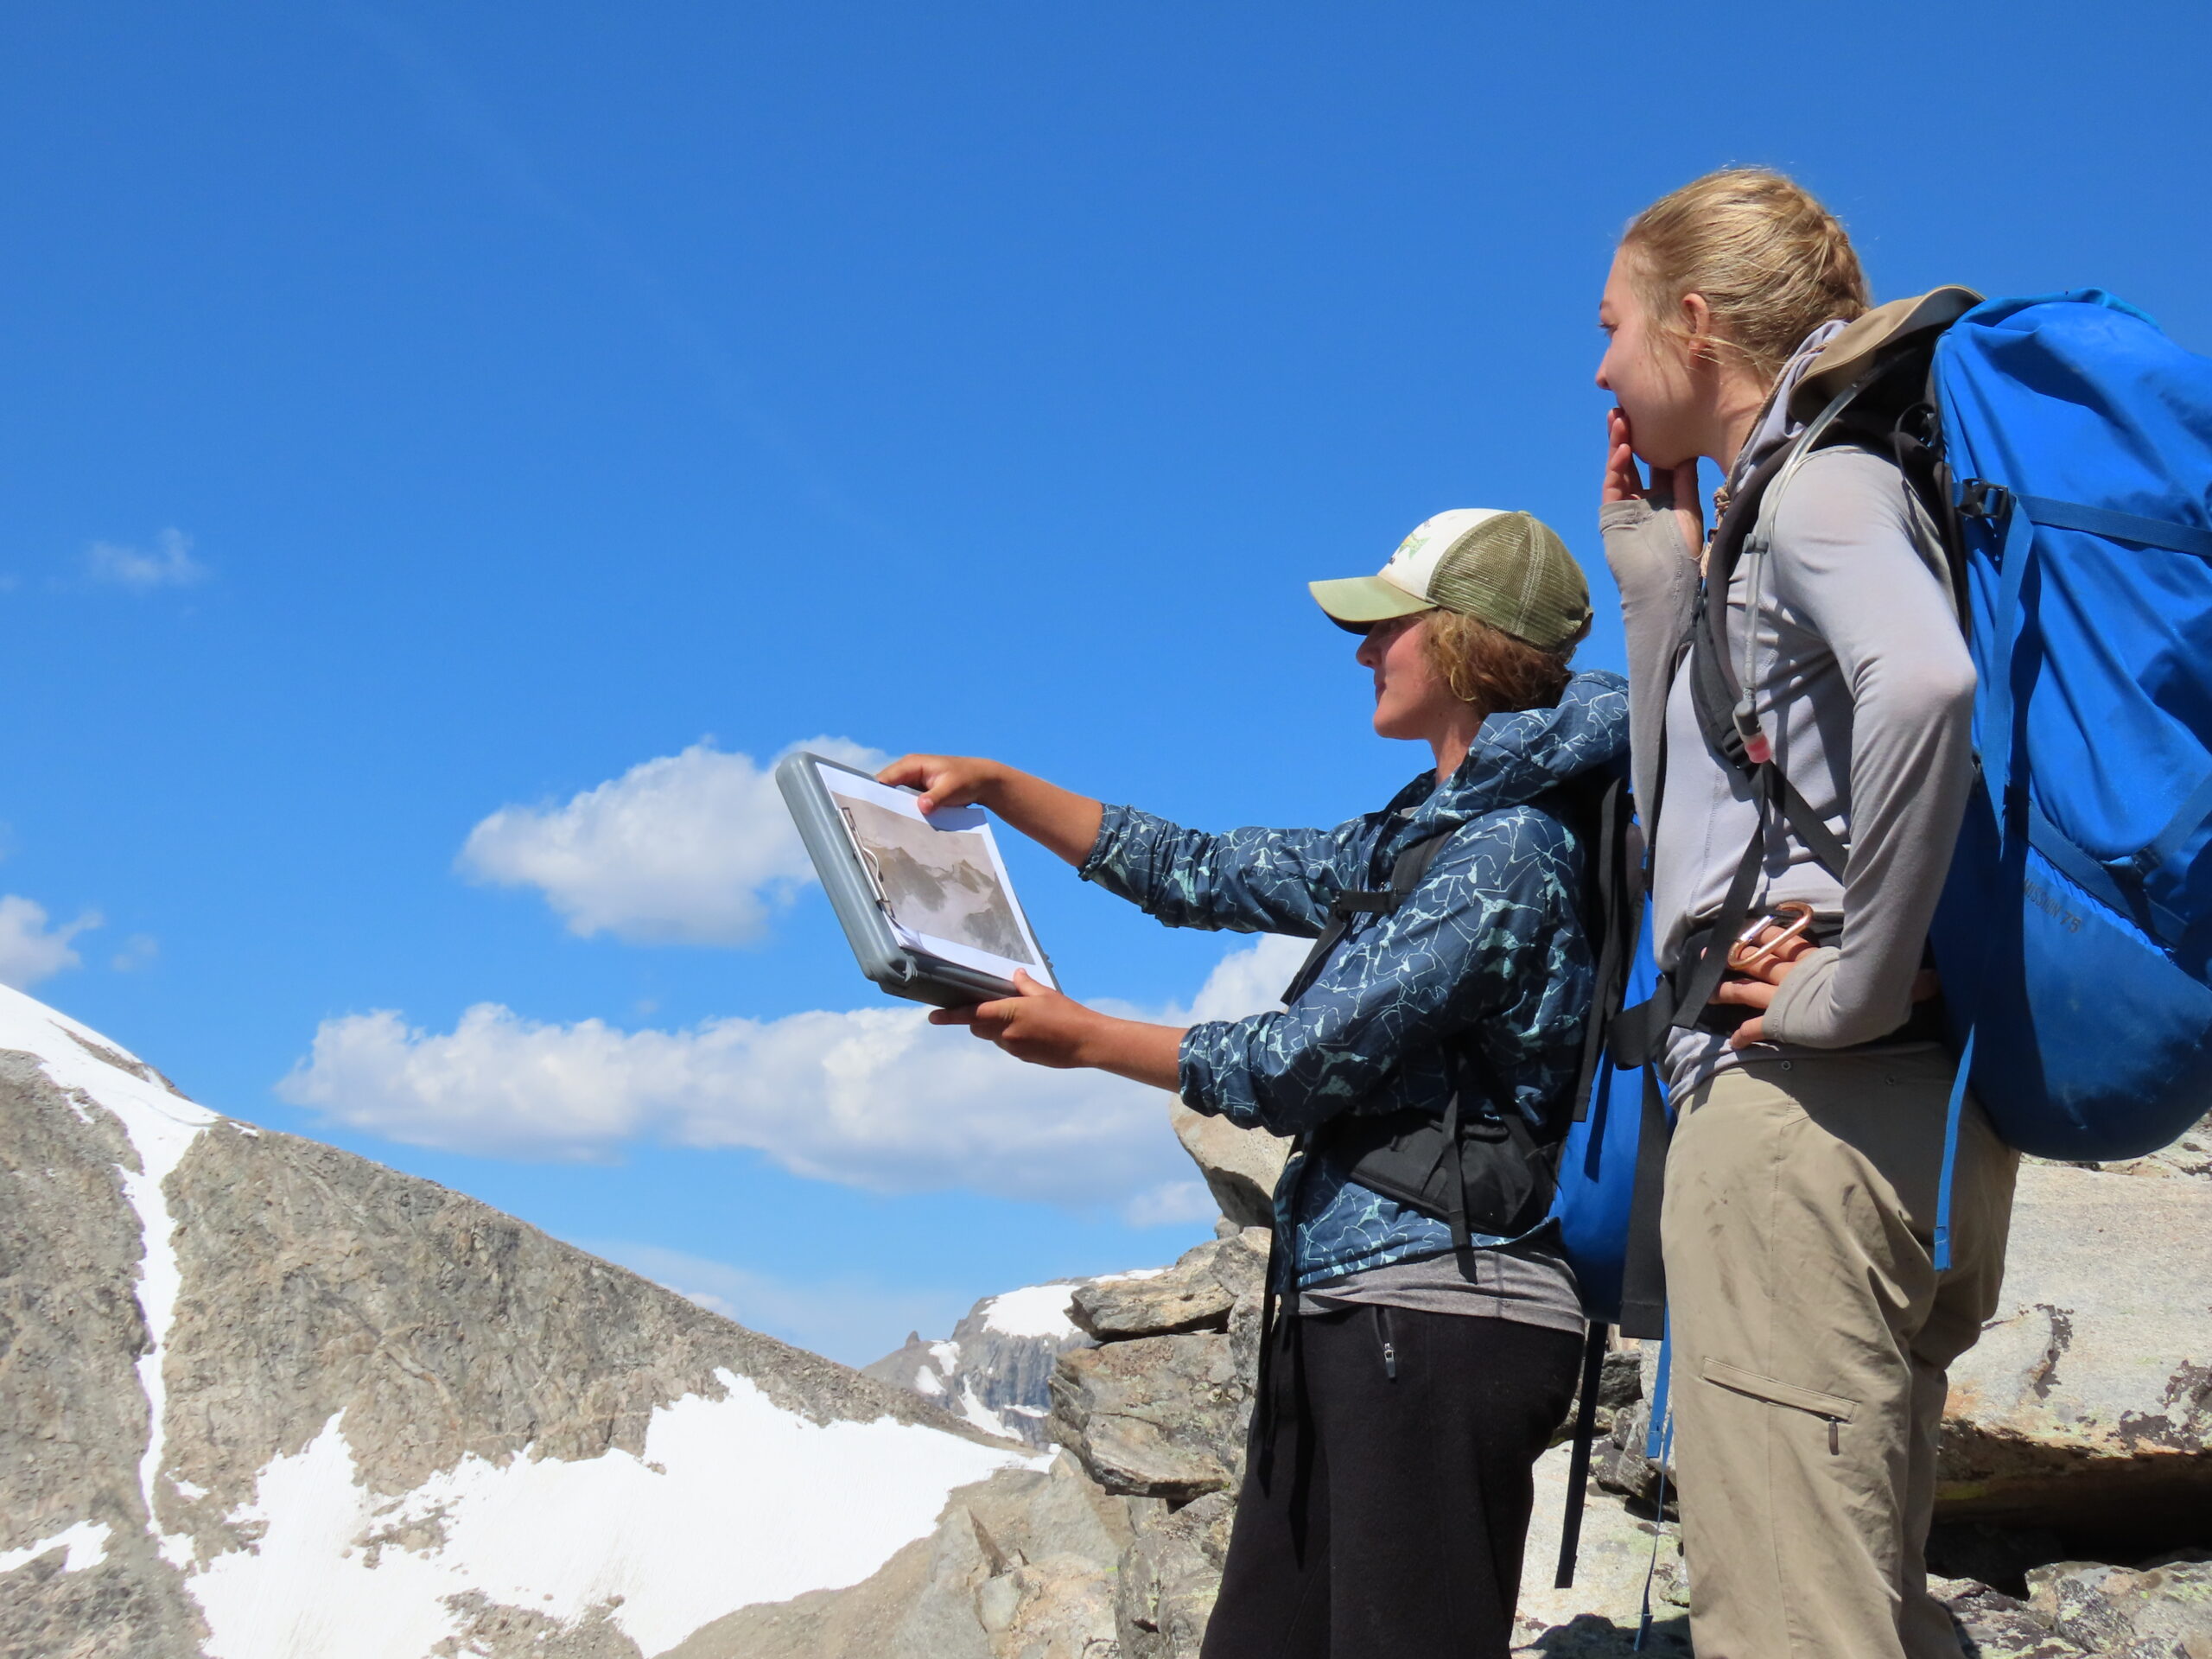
pixel 944 884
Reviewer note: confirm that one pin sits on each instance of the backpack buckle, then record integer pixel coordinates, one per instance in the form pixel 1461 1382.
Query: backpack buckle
pixel 1980 498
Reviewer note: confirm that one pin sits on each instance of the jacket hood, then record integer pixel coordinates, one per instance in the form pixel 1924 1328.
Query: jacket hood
pixel 1776 425
pixel 1521 756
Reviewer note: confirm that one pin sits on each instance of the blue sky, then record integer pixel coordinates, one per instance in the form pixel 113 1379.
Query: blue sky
pixel 411 412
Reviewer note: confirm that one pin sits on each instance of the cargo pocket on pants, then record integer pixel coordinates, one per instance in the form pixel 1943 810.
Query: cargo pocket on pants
pixel 1832 1408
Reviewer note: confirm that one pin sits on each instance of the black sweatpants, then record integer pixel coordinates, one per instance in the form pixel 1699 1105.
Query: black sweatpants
pixel 1390 1518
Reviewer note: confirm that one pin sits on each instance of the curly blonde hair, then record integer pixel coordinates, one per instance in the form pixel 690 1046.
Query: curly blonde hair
pixel 1488 667
pixel 1772 263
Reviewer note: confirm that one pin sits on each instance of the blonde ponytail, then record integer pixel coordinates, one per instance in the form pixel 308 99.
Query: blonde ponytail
pixel 1770 262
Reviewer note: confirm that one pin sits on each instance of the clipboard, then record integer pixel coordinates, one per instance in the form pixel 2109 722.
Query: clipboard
pixel 925 902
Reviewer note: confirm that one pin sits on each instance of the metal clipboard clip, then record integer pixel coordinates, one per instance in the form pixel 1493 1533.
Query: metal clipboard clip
pixel 868 866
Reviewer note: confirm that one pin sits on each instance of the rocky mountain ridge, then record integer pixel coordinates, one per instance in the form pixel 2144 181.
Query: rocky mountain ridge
pixel 262 1399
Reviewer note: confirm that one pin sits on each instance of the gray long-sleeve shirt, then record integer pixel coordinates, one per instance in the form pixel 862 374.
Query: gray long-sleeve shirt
pixel 1865 689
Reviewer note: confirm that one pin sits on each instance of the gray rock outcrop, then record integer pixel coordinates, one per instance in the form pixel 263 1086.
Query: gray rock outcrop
pixel 1157 1414
pixel 2162 1608
pixel 2088 1403
pixel 1158 1409
pixel 1019 1566
pixel 1169 1577
pixel 1240 1166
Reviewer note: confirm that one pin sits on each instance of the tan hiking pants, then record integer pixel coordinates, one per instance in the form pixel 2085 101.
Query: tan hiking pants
pixel 1811 1337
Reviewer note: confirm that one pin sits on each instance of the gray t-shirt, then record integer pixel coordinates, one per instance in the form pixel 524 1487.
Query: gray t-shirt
pixel 1528 1283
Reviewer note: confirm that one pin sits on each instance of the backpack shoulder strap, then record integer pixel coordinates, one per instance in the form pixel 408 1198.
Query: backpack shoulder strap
pixel 1406 871
pixel 1726 704
pixel 1726 701
pixel 1612 914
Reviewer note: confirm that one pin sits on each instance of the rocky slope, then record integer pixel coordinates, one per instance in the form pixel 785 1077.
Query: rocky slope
pixel 2075 1509
pixel 262 1399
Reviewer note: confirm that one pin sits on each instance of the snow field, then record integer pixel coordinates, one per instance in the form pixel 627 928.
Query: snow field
pixel 735 1501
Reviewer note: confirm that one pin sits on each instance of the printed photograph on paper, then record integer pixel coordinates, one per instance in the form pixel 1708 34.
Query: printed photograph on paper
pixel 941 882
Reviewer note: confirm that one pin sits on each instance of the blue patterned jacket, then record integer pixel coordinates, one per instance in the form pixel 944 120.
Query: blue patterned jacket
pixel 1488 955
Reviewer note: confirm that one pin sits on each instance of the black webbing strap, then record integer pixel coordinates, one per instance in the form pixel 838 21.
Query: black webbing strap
pixel 1259 1445
pixel 1342 909
pixel 1715 692
pixel 1644 1268
pixel 1616 889
pixel 1715 695
pixel 1455 1190
pixel 1578 1473
pixel 1699 976
pixel 1406 873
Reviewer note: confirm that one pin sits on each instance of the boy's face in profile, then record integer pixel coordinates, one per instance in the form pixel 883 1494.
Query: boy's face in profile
pixel 1412 700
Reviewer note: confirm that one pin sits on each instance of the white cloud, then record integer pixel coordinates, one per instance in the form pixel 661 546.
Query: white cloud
pixel 852 1319
pixel 30 948
pixel 872 1097
pixel 138 952
pixel 691 849
pixel 1248 981
pixel 170 564
pixel 1171 1203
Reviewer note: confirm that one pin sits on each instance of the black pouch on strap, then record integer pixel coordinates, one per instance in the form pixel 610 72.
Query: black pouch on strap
pixel 1505 1174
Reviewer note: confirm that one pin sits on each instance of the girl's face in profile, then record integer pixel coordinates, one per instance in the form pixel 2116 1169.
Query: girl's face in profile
pixel 1412 700
pixel 1650 372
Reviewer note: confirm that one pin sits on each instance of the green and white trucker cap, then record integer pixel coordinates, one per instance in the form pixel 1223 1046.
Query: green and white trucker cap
pixel 1510 570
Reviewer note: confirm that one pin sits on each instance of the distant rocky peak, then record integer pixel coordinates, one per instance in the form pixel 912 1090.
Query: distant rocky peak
pixel 995 1369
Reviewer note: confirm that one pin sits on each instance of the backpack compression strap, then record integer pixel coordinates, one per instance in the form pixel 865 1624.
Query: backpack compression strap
pixel 1585 1439
pixel 1615 913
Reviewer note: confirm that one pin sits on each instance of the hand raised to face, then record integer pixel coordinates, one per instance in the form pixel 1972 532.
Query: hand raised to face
pixel 1675 490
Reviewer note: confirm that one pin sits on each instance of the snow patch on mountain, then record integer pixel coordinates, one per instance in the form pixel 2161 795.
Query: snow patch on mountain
pixel 86 1542
pixel 734 1501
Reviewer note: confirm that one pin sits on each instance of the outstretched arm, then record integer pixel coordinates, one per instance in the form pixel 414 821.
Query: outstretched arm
pixel 1484 929
pixel 1058 819
pixel 1250 880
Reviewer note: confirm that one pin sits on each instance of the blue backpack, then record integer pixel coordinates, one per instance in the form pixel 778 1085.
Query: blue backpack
pixel 2062 445
pixel 2074 934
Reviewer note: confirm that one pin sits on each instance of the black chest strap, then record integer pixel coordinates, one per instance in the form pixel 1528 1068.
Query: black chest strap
pixel 1407 872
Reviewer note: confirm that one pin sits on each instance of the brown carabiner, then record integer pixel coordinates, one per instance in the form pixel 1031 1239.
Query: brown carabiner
pixel 1747 956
